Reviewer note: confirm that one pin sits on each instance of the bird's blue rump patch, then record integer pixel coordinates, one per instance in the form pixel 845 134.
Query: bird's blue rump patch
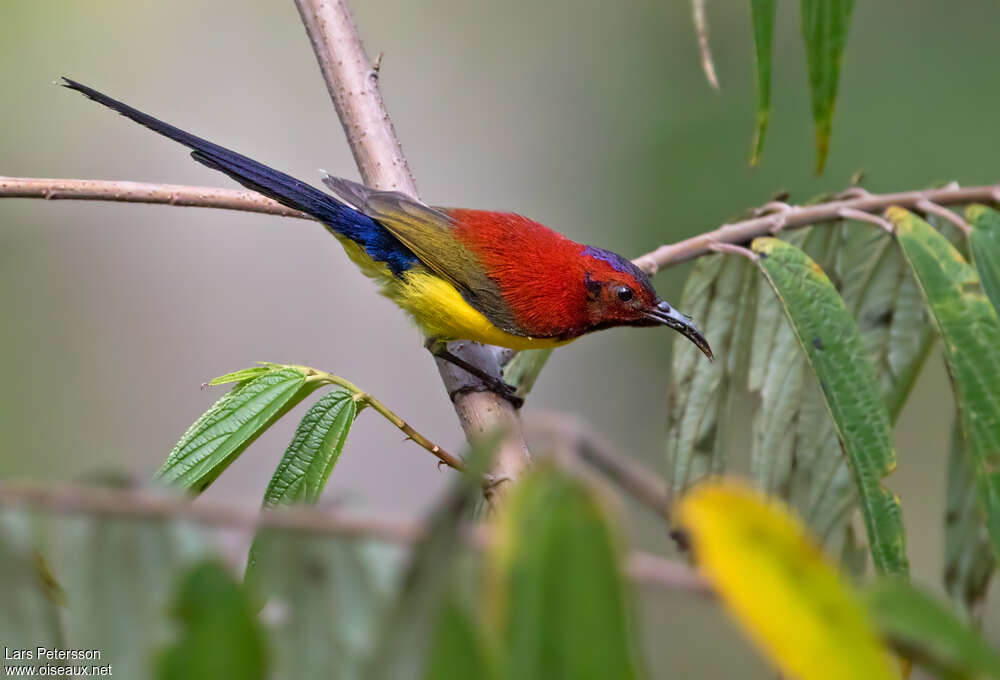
pixel 380 245
pixel 617 262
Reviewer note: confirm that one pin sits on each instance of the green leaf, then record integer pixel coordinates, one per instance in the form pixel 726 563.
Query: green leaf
pixel 224 431
pixel 460 651
pixel 126 566
pixel 29 616
pixel 328 593
pixel 309 459
pixel 968 558
pixel 969 327
pixel 244 374
pixel 556 596
pixel 219 635
pixel 836 353
pixel 924 628
pixel 824 29
pixel 720 294
pixel 522 371
pixel 762 14
pixel 984 245
pixel 405 640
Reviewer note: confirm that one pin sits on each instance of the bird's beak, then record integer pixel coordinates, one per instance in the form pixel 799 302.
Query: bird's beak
pixel 665 314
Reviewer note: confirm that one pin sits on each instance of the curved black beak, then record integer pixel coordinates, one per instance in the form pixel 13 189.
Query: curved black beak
pixel 668 316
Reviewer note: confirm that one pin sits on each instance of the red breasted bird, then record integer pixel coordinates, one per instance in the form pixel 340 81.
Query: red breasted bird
pixel 491 277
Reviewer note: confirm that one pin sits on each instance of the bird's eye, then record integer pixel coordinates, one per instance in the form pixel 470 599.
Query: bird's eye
pixel 624 293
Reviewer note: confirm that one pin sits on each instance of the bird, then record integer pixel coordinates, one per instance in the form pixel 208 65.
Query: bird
pixel 491 277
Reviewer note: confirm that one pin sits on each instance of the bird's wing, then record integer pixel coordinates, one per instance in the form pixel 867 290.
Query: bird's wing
pixel 430 234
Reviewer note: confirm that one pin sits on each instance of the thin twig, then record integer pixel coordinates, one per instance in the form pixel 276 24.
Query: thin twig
pixel 701 28
pixel 142 192
pixel 802 216
pixel 383 410
pixel 935 209
pixel 638 482
pixel 353 86
pixel 146 504
pixel 861 216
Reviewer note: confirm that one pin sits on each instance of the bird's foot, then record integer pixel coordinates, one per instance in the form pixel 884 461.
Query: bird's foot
pixel 492 382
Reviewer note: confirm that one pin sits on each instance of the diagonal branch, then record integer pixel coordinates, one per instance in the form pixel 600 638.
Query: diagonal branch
pixel 353 86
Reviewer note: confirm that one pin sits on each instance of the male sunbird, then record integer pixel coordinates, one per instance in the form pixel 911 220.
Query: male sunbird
pixel 492 277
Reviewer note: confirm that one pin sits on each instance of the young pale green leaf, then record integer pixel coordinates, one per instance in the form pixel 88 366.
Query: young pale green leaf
pixel 825 24
pixel 969 327
pixel 984 245
pixel 243 374
pixel 522 371
pixel 775 581
pixel 556 595
pixel 309 459
pixel 29 616
pixel 224 431
pixel 720 293
pixel 968 558
pixel 460 651
pixel 836 353
pixel 219 635
pixel 762 14
pixel 926 630
pixel 405 640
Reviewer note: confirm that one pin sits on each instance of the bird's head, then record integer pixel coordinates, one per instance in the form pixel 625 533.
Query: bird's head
pixel 621 294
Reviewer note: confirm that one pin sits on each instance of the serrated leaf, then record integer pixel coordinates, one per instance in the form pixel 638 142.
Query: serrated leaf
pixel 556 595
pixel 762 13
pixel 837 356
pixel 968 558
pixel 825 24
pixel 720 294
pixel 774 580
pixel 219 636
pixel 315 448
pixel 928 631
pixel 984 246
pixel 968 324
pixel 224 431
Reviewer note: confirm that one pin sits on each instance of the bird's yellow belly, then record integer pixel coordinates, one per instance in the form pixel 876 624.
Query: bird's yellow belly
pixel 437 308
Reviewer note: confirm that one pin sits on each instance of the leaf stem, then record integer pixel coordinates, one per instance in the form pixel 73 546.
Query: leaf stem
pixel 383 410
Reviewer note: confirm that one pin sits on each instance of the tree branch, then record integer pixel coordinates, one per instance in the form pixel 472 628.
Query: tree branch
pixel 145 504
pixel 141 192
pixel 638 482
pixel 793 217
pixel 353 86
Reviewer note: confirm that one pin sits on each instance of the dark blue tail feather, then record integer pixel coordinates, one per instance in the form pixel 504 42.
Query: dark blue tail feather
pixel 341 218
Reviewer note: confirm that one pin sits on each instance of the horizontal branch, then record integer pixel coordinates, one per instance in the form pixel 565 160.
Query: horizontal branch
pixel 146 504
pixel 781 216
pixel 142 192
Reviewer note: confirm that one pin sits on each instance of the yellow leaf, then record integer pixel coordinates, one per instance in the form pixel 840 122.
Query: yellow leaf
pixel 775 581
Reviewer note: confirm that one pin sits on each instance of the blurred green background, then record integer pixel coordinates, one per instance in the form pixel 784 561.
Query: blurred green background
pixel 591 117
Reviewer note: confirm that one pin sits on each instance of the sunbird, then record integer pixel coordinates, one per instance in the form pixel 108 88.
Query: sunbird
pixel 492 277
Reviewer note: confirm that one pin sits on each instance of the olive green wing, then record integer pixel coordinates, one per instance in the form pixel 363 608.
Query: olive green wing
pixel 430 234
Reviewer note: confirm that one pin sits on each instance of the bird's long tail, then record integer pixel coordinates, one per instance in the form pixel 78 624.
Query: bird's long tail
pixel 283 188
